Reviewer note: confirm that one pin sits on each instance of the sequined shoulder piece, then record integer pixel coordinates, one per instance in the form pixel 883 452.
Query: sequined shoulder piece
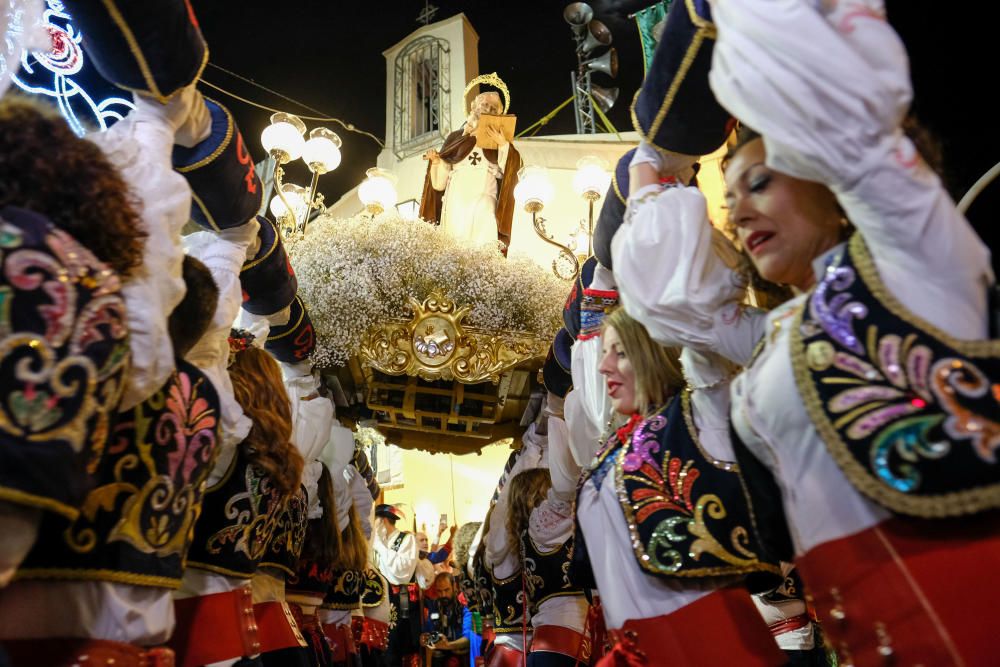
pixel 909 413
pixel 687 514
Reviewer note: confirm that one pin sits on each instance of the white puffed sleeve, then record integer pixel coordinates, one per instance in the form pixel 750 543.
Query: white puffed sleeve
pixel 312 414
pixel 342 496
pixel 828 92
pixel 223 253
pixel 310 480
pixel 551 523
pixel 140 147
pixel 672 279
pixel 362 498
pixel 584 432
pixel 498 547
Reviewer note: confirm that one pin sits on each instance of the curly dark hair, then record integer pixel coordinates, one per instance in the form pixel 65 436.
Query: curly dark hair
pixel 47 169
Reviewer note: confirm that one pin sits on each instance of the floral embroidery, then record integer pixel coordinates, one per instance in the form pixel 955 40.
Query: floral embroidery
pixel 255 514
pixel 63 357
pixel 909 413
pixel 687 516
pixel 151 479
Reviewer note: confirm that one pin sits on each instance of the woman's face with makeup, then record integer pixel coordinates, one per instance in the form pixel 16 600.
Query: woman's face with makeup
pixel 782 222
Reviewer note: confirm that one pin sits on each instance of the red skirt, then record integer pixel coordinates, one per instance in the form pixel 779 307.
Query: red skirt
pixel 910 591
pixel 722 628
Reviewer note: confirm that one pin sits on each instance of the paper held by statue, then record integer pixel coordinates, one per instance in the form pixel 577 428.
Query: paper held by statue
pixel 504 123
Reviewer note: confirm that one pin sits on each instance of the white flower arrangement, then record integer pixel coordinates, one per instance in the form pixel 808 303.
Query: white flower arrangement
pixel 355 272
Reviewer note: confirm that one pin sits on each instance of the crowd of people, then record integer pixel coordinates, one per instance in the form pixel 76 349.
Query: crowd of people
pixel 770 442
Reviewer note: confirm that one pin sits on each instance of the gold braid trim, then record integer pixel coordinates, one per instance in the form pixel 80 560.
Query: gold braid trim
pixel 115 576
pixel 938 506
pixel 18 497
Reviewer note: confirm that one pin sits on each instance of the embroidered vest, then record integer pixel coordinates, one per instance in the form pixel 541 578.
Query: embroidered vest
pixel 345 592
pixel 289 534
pixel 483 584
pixel 509 610
pixel 64 353
pixel 546 574
pixel 310 578
pixel 687 513
pixel 238 519
pixel 135 527
pixel 374 589
pixel 909 413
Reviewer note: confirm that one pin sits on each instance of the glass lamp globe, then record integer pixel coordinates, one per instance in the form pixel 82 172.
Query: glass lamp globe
pixel 322 150
pixel 378 191
pixel 592 177
pixel 297 198
pixel 283 137
pixel 534 188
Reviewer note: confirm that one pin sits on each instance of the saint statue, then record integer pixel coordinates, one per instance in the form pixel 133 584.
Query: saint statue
pixel 468 189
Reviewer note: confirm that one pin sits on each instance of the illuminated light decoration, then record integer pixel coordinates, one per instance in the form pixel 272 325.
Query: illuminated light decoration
pixel 84 98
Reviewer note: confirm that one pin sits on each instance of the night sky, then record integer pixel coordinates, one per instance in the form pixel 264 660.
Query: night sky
pixel 329 55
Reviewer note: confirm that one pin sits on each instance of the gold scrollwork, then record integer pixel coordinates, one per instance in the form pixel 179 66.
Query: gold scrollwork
pixel 434 345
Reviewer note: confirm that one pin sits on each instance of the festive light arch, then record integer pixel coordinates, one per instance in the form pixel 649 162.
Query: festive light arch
pixel 63 74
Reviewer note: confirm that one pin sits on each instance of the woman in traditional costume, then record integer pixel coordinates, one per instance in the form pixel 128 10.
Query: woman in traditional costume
pixel 865 406
pixel 541 521
pixel 216 620
pixel 502 564
pixel 667 527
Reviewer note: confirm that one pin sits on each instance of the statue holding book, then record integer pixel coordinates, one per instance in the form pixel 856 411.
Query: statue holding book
pixel 469 187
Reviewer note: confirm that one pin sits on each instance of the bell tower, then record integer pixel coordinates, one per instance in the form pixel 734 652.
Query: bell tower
pixel 426 74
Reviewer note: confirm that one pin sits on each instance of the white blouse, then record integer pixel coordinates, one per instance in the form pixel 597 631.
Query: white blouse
pixel 140 147
pixel 787 71
pixel 224 254
pixel 628 592
pixel 551 525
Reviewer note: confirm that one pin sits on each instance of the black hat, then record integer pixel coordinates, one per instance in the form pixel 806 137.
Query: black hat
pixel 390 512
pixel 226 191
pixel 295 341
pixel 612 211
pixel 268 280
pixel 571 309
pixel 675 109
pixel 556 373
pixel 153 47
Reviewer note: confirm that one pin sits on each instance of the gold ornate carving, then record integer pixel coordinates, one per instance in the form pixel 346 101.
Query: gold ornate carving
pixel 434 345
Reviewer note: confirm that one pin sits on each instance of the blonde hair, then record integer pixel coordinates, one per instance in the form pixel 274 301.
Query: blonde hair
pixel 658 374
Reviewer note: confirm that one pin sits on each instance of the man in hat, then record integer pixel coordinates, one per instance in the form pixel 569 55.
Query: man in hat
pixel 397 558
pixel 470 190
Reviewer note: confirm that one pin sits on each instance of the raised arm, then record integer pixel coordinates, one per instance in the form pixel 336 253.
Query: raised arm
pixel 673 276
pixel 828 90
pixel 223 253
pixel 140 147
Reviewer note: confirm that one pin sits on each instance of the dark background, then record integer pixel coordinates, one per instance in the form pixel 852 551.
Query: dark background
pixel 329 55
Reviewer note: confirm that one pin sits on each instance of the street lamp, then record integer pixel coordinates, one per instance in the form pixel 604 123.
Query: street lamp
pixel 591 180
pixel 533 191
pixel 284 140
pixel 321 153
pixel 378 191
